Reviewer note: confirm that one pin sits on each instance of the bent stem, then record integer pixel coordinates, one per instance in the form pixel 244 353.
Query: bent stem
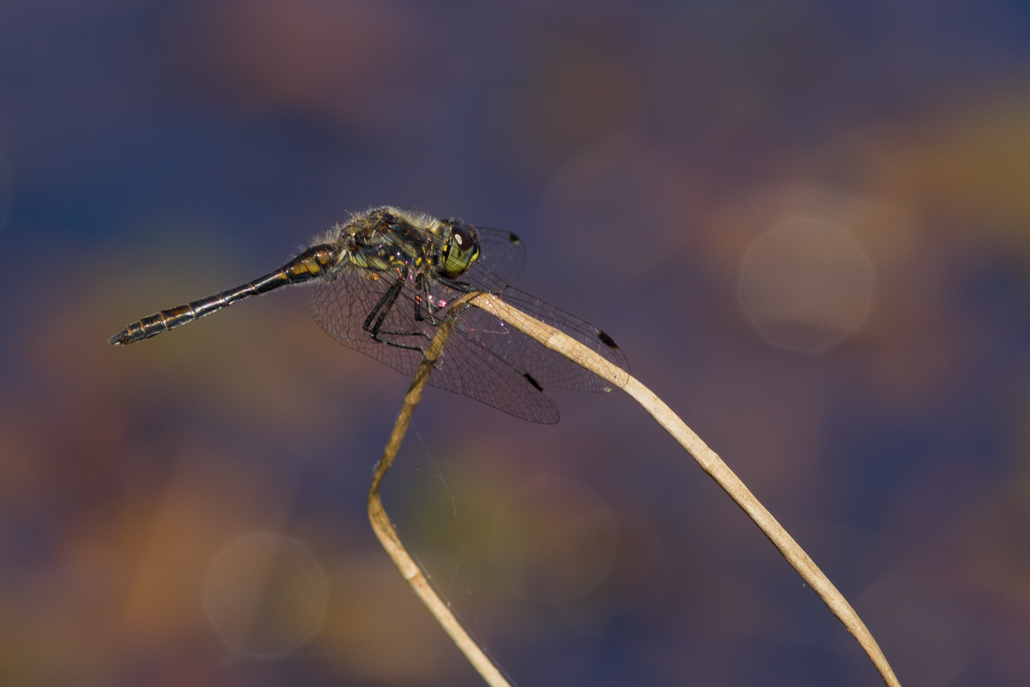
pixel 709 461
pixel 386 533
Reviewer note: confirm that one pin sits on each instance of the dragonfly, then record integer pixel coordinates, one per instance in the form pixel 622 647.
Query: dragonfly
pixel 383 282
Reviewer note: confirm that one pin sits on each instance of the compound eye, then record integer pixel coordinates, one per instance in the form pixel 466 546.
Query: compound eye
pixel 461 236
pixel 459 253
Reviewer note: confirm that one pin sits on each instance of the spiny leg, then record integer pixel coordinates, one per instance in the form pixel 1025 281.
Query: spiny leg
pixel 374 322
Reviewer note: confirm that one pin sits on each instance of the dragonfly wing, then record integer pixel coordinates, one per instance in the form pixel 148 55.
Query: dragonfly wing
pixel 502 257
pixel 470 368
pixel 342 306
pixel 544 365
pixel 466 367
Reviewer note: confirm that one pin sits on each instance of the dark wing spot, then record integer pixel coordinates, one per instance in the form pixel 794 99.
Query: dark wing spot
pixel 529 378
pixel 607 340
pixel 513 239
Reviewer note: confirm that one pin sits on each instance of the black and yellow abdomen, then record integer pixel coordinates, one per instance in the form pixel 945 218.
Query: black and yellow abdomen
pixel 311 264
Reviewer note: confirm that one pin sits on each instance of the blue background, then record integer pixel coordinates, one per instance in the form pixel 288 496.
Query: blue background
pixel 153 153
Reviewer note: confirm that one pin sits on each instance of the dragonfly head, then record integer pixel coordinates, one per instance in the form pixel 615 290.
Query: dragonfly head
pixel 459 252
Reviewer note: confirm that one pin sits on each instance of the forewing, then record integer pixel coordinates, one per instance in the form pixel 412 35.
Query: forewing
pixel 501 259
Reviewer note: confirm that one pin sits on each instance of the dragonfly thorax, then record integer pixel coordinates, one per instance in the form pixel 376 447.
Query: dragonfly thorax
pixel 404 241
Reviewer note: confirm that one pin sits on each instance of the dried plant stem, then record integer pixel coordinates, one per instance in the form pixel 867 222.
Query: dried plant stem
pixel 388 535
pixel 706 457
pixel 710 462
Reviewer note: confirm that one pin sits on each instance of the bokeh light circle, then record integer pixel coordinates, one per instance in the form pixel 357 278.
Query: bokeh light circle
pixel 265 595
pixel 806 284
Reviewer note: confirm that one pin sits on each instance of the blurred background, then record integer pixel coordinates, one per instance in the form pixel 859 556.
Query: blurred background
pixel 806 223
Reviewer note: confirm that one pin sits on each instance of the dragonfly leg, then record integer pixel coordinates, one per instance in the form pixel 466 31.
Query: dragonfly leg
pixel 382 309
pixel 374 322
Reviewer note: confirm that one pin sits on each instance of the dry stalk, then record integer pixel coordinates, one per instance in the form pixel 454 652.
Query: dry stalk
pixel 709 461
pixel 706 458
pixel 387 534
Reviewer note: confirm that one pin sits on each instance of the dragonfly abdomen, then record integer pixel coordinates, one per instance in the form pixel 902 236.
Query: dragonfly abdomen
pixel 311 264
